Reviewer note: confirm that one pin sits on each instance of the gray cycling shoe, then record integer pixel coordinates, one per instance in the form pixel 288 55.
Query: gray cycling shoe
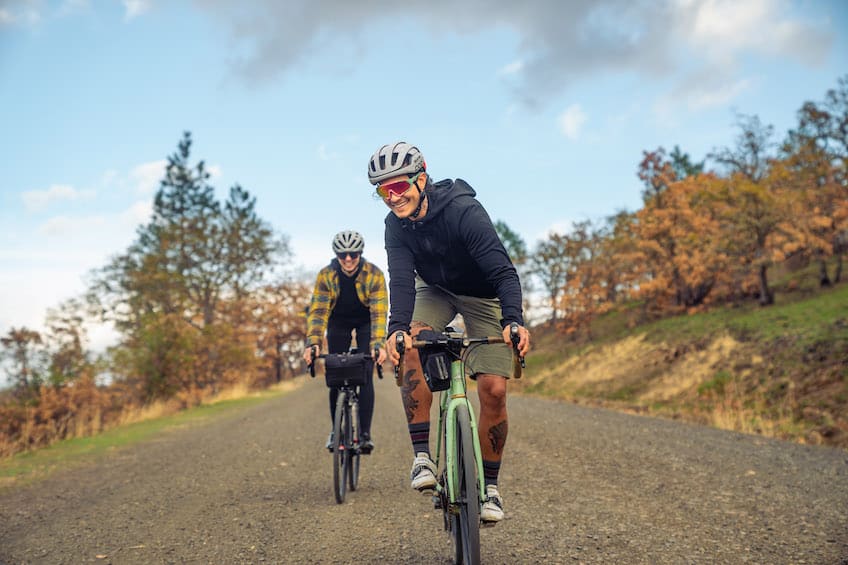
pixel 423 474
pixel 492 511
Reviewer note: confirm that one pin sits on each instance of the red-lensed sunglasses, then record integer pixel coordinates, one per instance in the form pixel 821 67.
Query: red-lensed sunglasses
pixel 397 188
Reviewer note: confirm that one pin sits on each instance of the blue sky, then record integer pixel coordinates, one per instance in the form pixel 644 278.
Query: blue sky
pixel 544 107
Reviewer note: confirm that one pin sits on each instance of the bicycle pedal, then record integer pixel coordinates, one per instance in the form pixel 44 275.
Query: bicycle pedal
pixel 486 524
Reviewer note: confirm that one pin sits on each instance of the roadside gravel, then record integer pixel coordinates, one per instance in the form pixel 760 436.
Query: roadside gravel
pixel 580 485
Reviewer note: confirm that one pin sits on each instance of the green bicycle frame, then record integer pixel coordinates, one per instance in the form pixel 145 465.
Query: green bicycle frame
pixel 449 400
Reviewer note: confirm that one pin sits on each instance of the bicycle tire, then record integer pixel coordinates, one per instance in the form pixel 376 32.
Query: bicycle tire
pixel 341 455
pixel 465 524
pixel 353 466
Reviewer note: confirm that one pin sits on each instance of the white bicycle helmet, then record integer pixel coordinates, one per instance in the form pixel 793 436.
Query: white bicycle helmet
pixel 393 160
pixel 348 241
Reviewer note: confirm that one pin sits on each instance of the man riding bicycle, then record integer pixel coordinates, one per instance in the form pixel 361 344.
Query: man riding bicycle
pixel 349 295
pixel 445 258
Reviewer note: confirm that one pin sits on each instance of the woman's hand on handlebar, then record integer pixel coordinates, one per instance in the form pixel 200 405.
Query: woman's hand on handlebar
pixel 310 353
pixel 523 344
pixel 381 355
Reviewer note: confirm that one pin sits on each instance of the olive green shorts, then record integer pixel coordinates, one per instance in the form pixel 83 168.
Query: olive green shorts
pixel 436 307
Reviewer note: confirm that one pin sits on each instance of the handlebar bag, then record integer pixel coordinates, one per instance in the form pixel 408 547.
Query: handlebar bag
pixel 435 361
pixel 349 369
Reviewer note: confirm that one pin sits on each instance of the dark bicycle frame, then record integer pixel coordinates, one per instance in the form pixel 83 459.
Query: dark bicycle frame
pixel 346 447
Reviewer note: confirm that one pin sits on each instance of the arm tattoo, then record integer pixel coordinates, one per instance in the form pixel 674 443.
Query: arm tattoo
pixel 409 385
pixel 497 436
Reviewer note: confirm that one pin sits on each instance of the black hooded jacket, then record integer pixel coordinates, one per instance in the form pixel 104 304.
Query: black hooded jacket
pixel 455 247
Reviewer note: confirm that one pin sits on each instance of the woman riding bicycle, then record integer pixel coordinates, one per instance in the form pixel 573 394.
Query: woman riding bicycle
pixel 349 295
pixel 445 258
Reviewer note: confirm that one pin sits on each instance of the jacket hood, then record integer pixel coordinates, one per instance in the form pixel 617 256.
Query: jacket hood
pixel 439 195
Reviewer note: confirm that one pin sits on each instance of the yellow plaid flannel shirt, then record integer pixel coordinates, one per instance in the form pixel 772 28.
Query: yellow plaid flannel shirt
pixel 371 290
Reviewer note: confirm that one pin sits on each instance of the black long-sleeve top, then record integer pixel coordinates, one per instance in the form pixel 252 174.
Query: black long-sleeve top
pixel 455 247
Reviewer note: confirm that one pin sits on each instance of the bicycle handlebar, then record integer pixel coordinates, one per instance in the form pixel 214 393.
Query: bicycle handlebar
pixel 311 366
pixel 461 342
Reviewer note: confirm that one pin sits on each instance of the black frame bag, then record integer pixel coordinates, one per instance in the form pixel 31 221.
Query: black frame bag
pixel 435 362
pixel 349 369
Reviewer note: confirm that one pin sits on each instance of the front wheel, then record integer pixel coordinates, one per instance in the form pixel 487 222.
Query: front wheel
pixel 354 443
pixel 341 455
pixel 465 515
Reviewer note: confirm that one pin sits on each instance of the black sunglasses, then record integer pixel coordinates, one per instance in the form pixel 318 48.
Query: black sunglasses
pixel 351 254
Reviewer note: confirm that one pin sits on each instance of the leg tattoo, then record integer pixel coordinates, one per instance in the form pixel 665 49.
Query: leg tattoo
pixel 410 404
pixel 497 436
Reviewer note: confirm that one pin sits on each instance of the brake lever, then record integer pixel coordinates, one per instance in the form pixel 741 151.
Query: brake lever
pixel 312 365
pixel 515 338
pixel 400 346
pixel 379 366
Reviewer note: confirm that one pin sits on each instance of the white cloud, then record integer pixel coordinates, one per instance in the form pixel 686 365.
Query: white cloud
pixel 110 177
pixel 145 177
pixel 37 200
pixel 722 29
pixel 707 88
pixel 324 154
pixel 511 69
pixel 560 227
pixel 722 94
pixel 138 213
pixel 571 121
pixel 135 8
pixel 68 226
pixel 71 6
pixel 100 230
pixel 559 43
pixel 28 294
pixel 24 12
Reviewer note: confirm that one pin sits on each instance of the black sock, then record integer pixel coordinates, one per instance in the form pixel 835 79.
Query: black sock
pixel 420 436
pixel 490 472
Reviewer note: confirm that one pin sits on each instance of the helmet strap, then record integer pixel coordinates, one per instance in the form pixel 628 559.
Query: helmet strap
pixel 423 197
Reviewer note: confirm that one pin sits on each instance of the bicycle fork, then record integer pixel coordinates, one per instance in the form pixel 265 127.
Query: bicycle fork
pixel 447 488
pixel 354 424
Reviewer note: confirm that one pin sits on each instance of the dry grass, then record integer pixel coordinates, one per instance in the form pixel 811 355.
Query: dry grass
pixel 718 381
pixel 59 419
pixel 150 411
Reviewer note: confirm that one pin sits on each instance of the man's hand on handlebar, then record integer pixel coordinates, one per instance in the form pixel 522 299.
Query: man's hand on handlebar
pixel 391 346
pixel 523 344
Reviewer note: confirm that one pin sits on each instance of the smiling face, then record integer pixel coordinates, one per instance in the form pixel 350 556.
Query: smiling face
pixel 404 205
pixel 349 261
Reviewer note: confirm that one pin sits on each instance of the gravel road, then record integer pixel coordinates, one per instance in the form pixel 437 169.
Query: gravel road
pixel 580 485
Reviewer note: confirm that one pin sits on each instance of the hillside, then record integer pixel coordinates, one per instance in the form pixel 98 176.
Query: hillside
pixel 780 371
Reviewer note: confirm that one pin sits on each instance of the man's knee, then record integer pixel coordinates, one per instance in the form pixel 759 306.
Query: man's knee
pixel 491 389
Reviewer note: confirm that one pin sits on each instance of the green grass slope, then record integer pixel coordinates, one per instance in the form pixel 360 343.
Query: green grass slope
pixel 780 371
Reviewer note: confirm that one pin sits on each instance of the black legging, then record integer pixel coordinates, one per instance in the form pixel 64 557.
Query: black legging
pixel 338 341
